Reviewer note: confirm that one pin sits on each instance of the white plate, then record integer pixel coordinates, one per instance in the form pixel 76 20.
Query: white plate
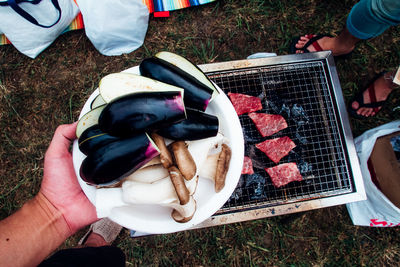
pixel 154 219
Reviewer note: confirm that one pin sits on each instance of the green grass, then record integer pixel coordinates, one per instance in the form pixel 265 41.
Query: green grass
pixel 37 95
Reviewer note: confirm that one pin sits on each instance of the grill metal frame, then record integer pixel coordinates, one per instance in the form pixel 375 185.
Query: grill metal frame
pixel 291 203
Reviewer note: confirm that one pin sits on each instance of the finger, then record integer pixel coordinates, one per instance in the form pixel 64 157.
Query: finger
pixel 62 138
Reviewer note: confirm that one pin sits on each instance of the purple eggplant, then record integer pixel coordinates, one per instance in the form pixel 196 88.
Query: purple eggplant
pixel 140 112
pixel 93 138
pixel 117 159
pixel 198 125
pixel 197 94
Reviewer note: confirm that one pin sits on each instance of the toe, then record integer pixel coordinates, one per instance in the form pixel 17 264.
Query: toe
pixel 366 112
pixel 362 112
pixel 300 44
pixel 305 38
pixel 355 105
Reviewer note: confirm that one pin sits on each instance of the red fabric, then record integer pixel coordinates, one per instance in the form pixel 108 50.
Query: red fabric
pixel 161 14
pixel 372 96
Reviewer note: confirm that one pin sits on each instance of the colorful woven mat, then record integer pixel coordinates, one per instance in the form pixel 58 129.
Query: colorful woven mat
pixel 153 6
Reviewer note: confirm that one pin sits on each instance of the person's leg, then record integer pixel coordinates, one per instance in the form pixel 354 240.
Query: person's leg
pixel 94 248
pixel 382 87
pixel 342 44
pixel 87 256
pixel 370 18
pixel 367 19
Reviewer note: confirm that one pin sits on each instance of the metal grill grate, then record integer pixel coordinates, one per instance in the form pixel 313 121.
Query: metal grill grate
pixel 301 93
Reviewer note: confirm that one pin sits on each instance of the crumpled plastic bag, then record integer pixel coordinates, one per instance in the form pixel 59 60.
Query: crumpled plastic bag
pixel 115 27
pixel 377 210
pixel 29 38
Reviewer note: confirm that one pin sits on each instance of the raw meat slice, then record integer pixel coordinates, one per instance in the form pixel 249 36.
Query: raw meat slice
pixel 245 103
pixel 268 124
pixel 247 166
pixel 276 148
pixel 283 174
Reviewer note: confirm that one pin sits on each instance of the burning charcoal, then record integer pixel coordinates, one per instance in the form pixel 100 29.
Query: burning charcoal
pixel 251 151
pixel 255 184
pixel 241 182
pixel 301 139
pixel 236 195
pixel 262 96
pixel 299 115
pixel 294 156
pixel 285 111
pixel 254 179
pixel 271 105
pixel 258 192
pixel 248 136
pixel 274 102
pixel 304 167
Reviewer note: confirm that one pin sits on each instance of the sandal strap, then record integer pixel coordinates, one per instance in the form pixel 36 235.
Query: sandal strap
pixel 313 41
pixel 372 96
pixel 317 46
pixel 373 105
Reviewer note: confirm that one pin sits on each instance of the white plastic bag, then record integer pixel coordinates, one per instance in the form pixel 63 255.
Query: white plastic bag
pixel 31 39
pixel 377 210
pixel 115 27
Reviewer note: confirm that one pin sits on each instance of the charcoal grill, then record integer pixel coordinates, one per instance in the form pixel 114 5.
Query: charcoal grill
pixel 305 89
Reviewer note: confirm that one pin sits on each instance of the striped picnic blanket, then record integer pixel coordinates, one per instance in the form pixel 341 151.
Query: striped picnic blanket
pixel 152 5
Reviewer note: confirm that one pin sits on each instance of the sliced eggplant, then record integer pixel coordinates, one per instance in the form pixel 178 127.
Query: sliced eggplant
pixel 93 138
pixel 138 112
pixel 197 95
pixel 187 66
pixel 97 102
pixel 118 159
pixel 198 125
pixel 88 120
pixel 117 85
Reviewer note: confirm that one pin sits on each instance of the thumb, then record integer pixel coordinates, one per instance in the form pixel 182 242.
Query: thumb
pixel 62 139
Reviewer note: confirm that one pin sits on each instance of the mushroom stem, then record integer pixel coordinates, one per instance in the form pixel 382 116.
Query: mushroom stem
pixel 184 213
pixel 184 159
pixel 161 192
pixel 222 167
pixel 165 156
pixel 179 185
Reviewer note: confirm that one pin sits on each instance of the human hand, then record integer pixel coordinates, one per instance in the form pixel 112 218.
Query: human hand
pixel 60 185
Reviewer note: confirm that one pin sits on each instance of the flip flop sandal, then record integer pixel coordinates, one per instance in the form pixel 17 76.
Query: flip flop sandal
pixel 313 42
pixel 106 228
pixel 359 98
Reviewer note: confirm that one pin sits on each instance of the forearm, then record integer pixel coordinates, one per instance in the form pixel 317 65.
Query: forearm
pixel 32 233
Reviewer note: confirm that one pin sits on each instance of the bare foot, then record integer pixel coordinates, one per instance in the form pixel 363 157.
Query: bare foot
pixel 326 43
pixel 383 87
